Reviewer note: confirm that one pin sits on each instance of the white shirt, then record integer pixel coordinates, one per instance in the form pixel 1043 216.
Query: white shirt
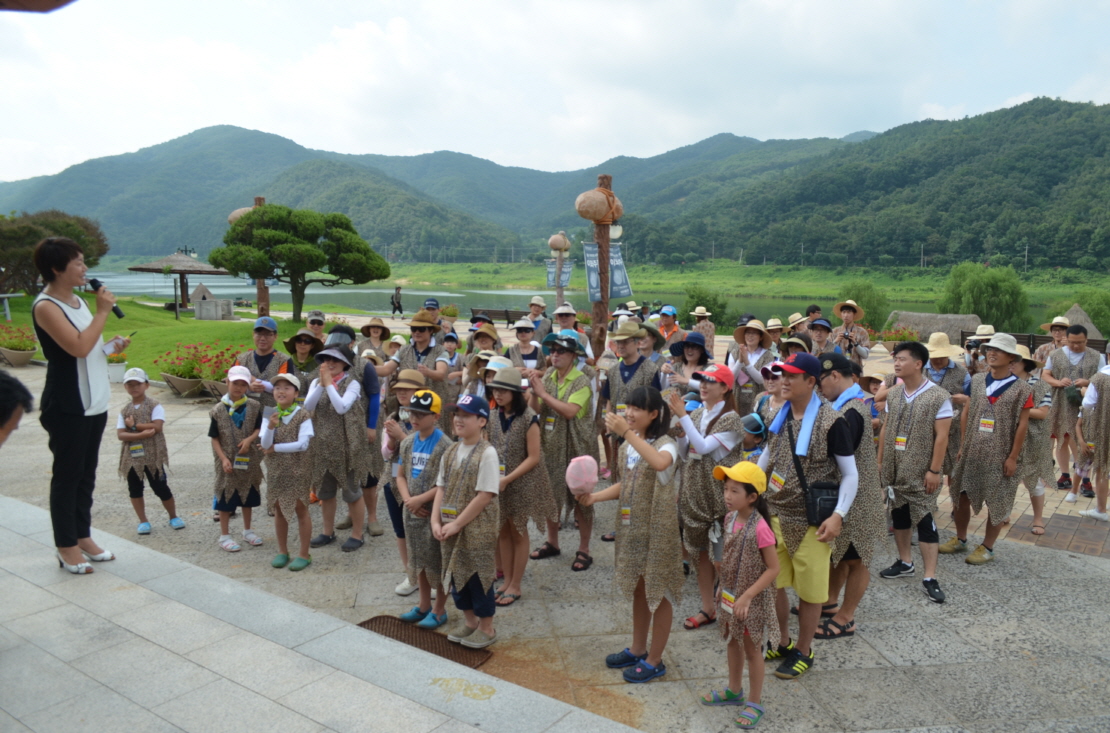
pixel 158 413
pixel 945 410
pixel 489 469
pixel 715 446
pixel 304 433
pixel 1077 356
pixel 341 403
pixel 1091 397
pixel 666 475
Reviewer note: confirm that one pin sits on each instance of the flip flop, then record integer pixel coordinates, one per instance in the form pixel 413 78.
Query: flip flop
pixel 582 561
pixel 544 551
pixel 1034 529
pixel 513 598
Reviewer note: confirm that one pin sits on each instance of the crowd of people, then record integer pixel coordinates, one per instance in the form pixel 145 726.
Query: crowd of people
pixel 782 466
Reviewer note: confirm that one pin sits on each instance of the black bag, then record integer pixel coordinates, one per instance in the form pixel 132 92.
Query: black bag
pixel 820 498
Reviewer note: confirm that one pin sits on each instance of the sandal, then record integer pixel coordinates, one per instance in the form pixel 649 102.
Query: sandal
pixel 582 561
pixel 724 697
pixel 692 623
pixel 749 719
pixel 826 630
pixel 252 539
pixel 1034 529
pixel 544 551
pixel 828 610
pixel 609 537
pixel 513 598
pixel 228 544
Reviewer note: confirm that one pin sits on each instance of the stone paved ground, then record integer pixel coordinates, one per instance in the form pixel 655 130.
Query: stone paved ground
pixel 1021 645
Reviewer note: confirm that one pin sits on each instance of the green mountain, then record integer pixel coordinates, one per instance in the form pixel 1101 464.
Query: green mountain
pixel 1030 179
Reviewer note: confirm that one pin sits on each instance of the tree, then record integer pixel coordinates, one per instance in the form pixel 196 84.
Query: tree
pixel 994 294
pixel 876 308
pixel 1096 304
pixel 298 247
pixel 20 233
pixel 713 301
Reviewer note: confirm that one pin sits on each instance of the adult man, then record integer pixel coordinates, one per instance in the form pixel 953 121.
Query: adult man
pixel 974 358
pixel 566 318
pixel 632 371
pixel 432 306
pixel 423 354
pixel 15 401
pixel 395 303
pixel 563 399
pixel 850 337
pixel 854 549
pixel 705 327
pixel 644 311
pixel 808 433
pixel 541 322
pixel 1093 433
pixel 1058 329
pixel 913 444
pixel 263 362
pixel 813 312
pixel 1068 370
pixel 993 429
pixel 315 320
pixel 945 371
pixel 668 327
pixel 820 330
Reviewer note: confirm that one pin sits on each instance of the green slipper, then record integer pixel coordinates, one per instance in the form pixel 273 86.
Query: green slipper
pixel 300 563
pixel 280 560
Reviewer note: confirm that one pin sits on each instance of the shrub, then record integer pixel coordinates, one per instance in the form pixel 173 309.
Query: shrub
pixel 873 301
pixel 995 294
pixel 18 338
pixel 1087 263
pixel 713 301
pixel 886 260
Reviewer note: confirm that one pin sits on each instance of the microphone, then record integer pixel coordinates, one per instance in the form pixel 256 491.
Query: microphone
pixel 97 285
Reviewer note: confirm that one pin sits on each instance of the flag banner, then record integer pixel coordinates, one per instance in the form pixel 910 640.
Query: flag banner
pixel 619 286
pixel 568 268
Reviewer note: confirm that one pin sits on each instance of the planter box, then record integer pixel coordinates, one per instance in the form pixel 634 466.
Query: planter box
pixel 116 372
pixel 17 358
pixel 183 387
pixel 214 388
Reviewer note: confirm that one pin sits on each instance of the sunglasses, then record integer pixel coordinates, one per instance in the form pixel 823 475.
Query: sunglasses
pixel 324 359
pixel 558 350
pixel 419 329
pixel 525 330
pixel 316 323
pixel 305 341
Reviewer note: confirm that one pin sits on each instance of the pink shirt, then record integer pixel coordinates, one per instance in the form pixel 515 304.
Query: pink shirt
pixel 764 535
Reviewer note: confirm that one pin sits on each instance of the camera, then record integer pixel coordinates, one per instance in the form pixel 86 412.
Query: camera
pixel 974 344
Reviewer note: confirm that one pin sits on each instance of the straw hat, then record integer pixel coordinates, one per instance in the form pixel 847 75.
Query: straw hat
pixel 365 330
pixel 774 323
pixel 291 347
pixel 472 367
pixel 487 330
pixel 794 341
pixel 538 300
pixel 1059 321
pixel 508 378
pixel 848 304
pixel 764 340
pixel 795 319
pixel 1005 343
pixel 940 347
pixel 410 379
pixel 1028 359
pixel 424 318
pixel 566 309
pixel 629 330
pixel 652 330
pixel 701 312
pixel 399 340
pixel 372 356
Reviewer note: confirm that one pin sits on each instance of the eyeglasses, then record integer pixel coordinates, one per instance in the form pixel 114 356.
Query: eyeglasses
pixel 419 329
pixel 264 333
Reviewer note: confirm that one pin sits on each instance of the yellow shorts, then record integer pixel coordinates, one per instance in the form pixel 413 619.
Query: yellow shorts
pixel 807 570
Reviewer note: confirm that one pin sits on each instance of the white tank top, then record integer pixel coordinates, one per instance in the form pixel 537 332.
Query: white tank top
pixel 92 370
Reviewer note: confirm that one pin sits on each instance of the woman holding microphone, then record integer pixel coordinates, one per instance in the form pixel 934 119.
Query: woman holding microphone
pixel 74 405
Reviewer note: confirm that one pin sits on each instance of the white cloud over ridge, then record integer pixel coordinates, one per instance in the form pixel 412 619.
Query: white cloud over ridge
pixel 538 84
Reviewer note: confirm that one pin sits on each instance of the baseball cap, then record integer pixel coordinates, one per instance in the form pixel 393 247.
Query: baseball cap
pixel 425 401
pixel 431 303
pixel 802 364
pixel 451 336
pixel 745 472
pixel 135 374
pixel 718 372
pixel 481 318
pixel 474 405
pixel 821 322
pixel 266 322
pixel 835 363
pixel 291 378
pixel 239 374
pixel 668 310
pixel 315 316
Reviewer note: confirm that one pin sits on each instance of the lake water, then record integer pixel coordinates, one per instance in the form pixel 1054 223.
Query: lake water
pixel 376 297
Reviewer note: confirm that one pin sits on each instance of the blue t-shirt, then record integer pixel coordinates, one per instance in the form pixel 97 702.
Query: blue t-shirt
pixel 422 451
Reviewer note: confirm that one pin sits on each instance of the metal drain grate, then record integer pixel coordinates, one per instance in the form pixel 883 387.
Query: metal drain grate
pixel 426 640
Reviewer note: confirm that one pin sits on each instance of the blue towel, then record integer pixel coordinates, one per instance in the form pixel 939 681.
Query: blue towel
pixel 852 393
pixel 810 417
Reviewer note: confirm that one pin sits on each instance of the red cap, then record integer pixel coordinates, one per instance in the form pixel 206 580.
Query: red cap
pixel 719 372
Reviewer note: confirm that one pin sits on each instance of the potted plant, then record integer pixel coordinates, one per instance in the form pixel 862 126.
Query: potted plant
pixel 117 367
pixel 449 313
pixel 17 345
pixel 179 370
pixel 213 365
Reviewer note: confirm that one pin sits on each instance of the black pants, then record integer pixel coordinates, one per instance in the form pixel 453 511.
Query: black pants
pixel 397 309
pixel 75 443
pixel 926 528
pixel 473 597
pixel 157 481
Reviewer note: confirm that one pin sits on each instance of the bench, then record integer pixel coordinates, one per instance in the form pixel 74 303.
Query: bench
pixel 509 315
pixel 1033 341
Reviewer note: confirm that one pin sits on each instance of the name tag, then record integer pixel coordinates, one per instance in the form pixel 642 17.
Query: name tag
pixel 693 455
pixel 986 425
pixel 448 513
pixel 136 450
pixel 242 463
pixel 501 467
pixel 746 388
pixel 621 409
pixel 299 400
pixel 549 423
pixel 1090 446
pixel 727 598
pixel 626 516
pixel 777 481
pixel 900 442
pixel 396 470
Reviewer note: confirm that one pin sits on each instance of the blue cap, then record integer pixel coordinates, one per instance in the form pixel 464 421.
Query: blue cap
pixel 431 303
pixel 821 322
pixel 801 363
pixel 693 338
pixel 266 322
pixel 474 404
pixel 668 310
pixel 451 336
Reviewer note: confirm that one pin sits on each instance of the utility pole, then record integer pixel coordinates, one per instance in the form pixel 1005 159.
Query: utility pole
pixel 923 255
pixel 803 254
pixel 741 255
pixel 1027 256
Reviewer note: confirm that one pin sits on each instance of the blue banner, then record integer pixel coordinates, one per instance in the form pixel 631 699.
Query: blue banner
pixel 568 268
pixel 619 286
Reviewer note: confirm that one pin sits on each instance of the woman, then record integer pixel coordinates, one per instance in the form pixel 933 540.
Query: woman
pixel 303 348
pixel 799 343
pixel 476 374
pixel 754 354
pixel 525 354
pixel 770 400
pixel 75 399
pixel 377 336
pixel 690 356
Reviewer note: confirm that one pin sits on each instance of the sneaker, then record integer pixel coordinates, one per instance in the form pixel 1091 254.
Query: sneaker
pixel 345 524
pixel 952 546
pixel 1071 498
pixel 374 528
pixel 981 556
pixel 1064 482
pixel 177 523
pixel 405 588
pixel 1095 514
pixel 478 639
pixel 460 632
pixel 414 615
pixel 144 528
pixel 931 588
pixel 1086 489
pixel 781 652
pixel 794 666
pixel 898 570
pixel 644 672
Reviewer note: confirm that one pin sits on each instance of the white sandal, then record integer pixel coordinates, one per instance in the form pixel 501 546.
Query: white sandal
pixel 102 557
pixel 251 538
pixel 226 543
pixel 81 568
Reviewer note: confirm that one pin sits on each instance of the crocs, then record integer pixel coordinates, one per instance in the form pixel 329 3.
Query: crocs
pixel 644 672
pixel 144 527
pixel 300 563
pixel 431 621
pixel 413 615
pixel 621 659
pixel 177 523
pixel 280 560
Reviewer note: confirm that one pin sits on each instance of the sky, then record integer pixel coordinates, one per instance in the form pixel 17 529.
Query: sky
pixel 547 85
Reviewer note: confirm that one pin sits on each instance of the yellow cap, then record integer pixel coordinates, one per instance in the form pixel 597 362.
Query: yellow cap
pixel 425 401
pixel 745 472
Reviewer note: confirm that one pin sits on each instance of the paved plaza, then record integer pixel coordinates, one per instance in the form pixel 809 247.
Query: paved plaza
pixel 179 635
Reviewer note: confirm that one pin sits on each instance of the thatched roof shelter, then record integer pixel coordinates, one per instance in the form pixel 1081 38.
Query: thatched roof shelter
pixel 181 265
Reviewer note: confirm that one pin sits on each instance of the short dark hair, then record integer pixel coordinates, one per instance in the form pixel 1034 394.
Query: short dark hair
pixel 1077 329
pixel 517 405
pixel 13 394
pixel 917 351
pixel 857 370
pixel 813 309
pixel 53 255
pixel 649 399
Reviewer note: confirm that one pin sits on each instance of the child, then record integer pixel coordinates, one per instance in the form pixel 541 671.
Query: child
pixel 1091 431
pixel 1035 461
pixel 648 554
pixel 396 428
pixel 755 437
pixel 286 438
pixel 421 452
pixel 236 422
pixel 525 492
pixel 144 451
pixel 746 596
pixel 465 520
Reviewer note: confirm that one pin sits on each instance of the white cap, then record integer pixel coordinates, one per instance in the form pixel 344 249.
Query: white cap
pixel 291 378
pixel 135 374
pixel 239 374
pixel 399 339
pixel 524 323
pixel 566 309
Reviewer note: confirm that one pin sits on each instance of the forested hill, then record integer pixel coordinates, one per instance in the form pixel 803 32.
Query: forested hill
pixel 1036 175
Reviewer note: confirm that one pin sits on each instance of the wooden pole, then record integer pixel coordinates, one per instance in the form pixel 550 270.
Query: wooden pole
pixel 558 278
pixel 601 308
